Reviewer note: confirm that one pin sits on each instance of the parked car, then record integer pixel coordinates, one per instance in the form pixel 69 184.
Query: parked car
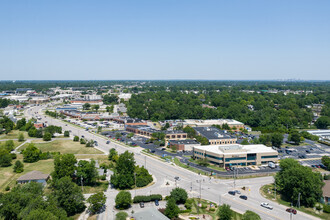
pixel 176 178
pixel 152 151
pixel 237 192
pixel 108 142
pixel 291 210
pixel 243 197
pixel 142 204
pixel 156 203
pixel 266 205
pixel 163 148
pixel 232 193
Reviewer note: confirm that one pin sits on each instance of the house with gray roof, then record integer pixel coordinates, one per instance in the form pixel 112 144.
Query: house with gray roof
pixel 33 176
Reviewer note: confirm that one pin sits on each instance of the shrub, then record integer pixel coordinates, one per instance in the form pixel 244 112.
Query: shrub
pixel 154 197
pixel 123 199
pixel 19 167
pixel 7 188
pixel 189 204
pixel 47 136
pixel 82 141
pixel 75 138
pixel 179 195
pixel 66 134
pixel 121 216
pixel 13 156
pixel 326 208
pixel 103 177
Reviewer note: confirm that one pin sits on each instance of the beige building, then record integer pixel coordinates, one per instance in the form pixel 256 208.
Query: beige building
pixel 208 123
pixel 236 154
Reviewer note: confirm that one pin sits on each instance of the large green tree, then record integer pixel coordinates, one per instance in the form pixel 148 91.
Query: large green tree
pixel 123 177
pixel 224 212
pixel 69 195
pixel 171 210
pixel 123 199
pixel 322 122
pixel 87 171
pixel 249 215
pixel 277 139
pixel 31 154
pixel 326 161
pixel 179 195
pixel 294 178
pixel 64 165
pixel 5 158
pixel 96 202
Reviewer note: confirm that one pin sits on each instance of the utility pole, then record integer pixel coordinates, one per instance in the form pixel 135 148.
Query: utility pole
pixel 145 162
pixel 200 189
pixel 234 179
pixel 275 190
pixel 298 205
pixel 135 182
pixel 82 187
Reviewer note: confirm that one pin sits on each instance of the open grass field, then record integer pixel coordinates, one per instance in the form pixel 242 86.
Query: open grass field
pixel 14 135
pixel 16 143
pixel 64 147
pixel 8 177
pixel 268 192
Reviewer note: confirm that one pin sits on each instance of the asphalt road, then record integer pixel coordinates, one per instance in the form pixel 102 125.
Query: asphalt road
pixel 196 185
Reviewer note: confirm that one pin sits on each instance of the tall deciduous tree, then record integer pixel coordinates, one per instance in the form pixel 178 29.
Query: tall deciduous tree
pixel 64 165
pixel 224 212
pixel 96 202
pixel 68 195
pixel 294 178
pixel 171 210
pixel 179 195
pixel 123 177
pixel 123 199
pixel 19 167
pixel 31 154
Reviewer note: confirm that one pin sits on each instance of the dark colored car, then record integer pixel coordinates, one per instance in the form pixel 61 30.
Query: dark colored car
pixel 243 197
pixel 152 151
pixel 232 193
pixel 142 204
pixel 156 203
pixel 108 142
pixel 291 210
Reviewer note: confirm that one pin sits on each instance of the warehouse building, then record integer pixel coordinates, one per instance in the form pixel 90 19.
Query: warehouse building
pixel 233 124
pixel 215 136
pixel 236 154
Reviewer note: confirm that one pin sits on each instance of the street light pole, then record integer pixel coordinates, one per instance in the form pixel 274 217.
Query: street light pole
pixel 135 182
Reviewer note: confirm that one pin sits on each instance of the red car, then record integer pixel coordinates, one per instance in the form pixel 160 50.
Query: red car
pixel 291 210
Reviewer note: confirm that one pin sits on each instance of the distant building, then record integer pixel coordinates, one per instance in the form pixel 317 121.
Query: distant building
pixel 125 96
pixel 208 123
pixel 324 134
pixel 215 136
pixel 33 176
pixel 38 125
pixel 236 154
pixel 326 191
pixel 145 130
pixel 184 145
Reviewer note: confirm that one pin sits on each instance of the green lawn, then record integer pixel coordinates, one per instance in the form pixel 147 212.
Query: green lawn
pixel 268 192
pixel 8 177
pixel 64 147
pixel 14 135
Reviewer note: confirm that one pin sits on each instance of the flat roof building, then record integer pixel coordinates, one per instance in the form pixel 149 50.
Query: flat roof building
pixel 207 123
pixel 236 154
pixel 145 130
pixel 215 136
pixel 184 145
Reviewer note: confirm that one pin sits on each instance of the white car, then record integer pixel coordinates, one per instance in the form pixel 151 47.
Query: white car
pixel 266 205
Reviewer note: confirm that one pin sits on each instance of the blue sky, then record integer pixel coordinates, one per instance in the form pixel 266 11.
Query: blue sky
pixel 165 39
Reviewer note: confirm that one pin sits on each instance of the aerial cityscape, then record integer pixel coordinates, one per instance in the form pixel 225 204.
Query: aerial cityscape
pixel 158 110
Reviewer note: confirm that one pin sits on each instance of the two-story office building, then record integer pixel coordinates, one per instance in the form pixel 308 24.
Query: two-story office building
pixel 236 154
pixel 145 130
pixel 215 136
